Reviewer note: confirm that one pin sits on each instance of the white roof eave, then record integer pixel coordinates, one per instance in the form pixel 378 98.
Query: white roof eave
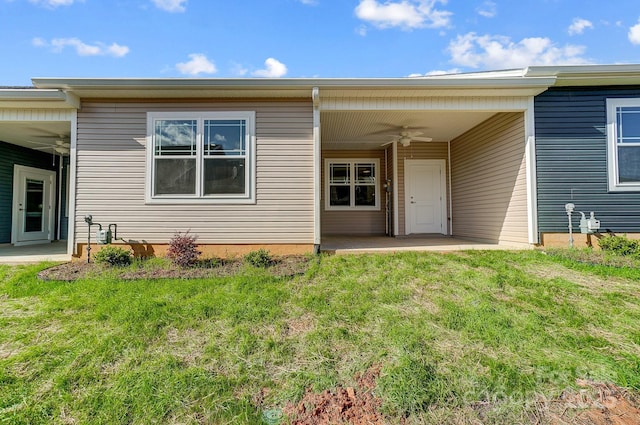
pixel 289 87
pixel 37 98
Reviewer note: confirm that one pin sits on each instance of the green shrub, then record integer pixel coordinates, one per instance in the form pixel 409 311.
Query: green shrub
pixel 259 258
pixel 183 250
pixel 620 245
pixel 113 256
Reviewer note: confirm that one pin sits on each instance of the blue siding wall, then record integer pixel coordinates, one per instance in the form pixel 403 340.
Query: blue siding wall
pixel 571 152
pixel 9 156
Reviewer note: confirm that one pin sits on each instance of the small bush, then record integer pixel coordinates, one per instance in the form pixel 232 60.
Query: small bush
pixel 183 250
pixel 620 245
pixel 209 263
pixel 113 256
pixel 259 258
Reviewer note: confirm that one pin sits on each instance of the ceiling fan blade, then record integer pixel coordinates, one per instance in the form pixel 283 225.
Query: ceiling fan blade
pixel 413 134
pixel 422 139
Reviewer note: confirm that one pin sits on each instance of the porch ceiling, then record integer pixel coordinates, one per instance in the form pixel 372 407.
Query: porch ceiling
pixel 40 135
pixel 370 129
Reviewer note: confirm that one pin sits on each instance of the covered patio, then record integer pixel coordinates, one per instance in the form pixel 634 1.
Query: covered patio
pixel 55 251
pixel 382 244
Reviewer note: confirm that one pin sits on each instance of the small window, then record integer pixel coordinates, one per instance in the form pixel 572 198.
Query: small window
pixel 623 134
pixel 351 184
pixel 201 156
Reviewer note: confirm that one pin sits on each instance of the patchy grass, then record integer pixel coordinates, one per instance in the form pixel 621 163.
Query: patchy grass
pixel 474 336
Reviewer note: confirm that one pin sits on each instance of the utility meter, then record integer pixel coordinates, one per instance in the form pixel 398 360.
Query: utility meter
pixel 103 237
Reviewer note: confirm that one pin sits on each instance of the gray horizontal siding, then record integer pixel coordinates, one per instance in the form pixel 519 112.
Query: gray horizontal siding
pixel 571 159
pixel 111 173
pixel 11 155
pixel 488 181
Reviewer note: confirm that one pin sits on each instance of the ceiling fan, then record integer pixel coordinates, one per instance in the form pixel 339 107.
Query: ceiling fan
pixel 406 136
pixel 59 145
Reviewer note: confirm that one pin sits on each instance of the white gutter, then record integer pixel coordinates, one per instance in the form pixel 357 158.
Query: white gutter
pixel 28 97
pixel 317 164
pixel 293 83
pixel 532 184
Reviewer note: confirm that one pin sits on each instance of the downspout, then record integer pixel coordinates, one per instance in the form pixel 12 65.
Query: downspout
pixel 532 183
pixel 73 162
pixel 450 189
pixel 317 164
pixel 396 225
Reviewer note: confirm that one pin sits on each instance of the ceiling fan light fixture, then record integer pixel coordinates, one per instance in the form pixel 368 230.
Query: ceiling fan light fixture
pixel 61 150
pixel 405 141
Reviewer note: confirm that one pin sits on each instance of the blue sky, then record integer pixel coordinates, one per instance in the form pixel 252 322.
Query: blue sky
pixel 307 38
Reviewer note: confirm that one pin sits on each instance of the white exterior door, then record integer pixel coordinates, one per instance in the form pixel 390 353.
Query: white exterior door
pixel 33 205
pixel 425 200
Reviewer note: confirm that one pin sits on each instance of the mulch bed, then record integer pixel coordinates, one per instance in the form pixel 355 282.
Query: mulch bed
pixel 282 267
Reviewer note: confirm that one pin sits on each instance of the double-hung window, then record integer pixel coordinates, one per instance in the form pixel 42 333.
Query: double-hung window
pixel 351 184
pixel 623 135
pixel 201 156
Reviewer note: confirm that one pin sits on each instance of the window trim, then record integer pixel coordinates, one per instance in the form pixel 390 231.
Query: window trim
pixel 352 183
pixel 612 146
pixel 199 198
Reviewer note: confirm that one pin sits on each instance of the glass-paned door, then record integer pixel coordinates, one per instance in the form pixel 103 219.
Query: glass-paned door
pixel 33 209
pixel 33 206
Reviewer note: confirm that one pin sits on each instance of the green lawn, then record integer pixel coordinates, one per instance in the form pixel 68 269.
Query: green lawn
pixel 451 332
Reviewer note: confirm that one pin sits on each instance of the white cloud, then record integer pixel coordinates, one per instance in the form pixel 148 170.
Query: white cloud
pixel 579 25
pixel 634 33
pixel 171 5
pixel 405 14
pixel 309 2
pixel 499 52
pixel 199 64
pixel 238 70
pixel 83 49
pixel 273 69
pixel 53 3
pixel 489 9
pixel 438 72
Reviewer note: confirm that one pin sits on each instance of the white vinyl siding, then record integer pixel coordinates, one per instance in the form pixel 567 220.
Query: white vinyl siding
pixel 112 163
pixel 488 181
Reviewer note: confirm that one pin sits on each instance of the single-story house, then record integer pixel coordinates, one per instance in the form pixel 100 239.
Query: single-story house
pixel 284 163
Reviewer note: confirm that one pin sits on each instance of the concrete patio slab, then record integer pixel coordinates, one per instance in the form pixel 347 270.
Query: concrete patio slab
pixel 55 251
pixel 439 243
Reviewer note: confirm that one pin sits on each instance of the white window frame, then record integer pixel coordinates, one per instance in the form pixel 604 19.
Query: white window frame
pixel 612 144
pixel 352 183
pixel 249 197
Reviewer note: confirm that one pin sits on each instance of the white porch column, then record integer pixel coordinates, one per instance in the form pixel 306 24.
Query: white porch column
pixel 317 164
pixel 530 158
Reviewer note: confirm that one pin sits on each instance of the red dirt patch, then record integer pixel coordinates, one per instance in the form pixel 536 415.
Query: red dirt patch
pixel 594 404
pixel 352 405
pixel 282 267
